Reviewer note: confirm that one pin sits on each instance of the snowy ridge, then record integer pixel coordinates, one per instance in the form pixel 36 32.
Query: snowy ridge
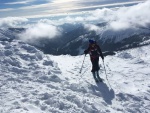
pixel 23 70
pixel 118 36
pixel 33 82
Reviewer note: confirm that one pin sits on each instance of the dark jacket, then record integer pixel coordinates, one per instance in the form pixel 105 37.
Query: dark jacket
pixel 94 51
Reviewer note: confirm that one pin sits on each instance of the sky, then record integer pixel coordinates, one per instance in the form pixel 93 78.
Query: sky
pixel 45 8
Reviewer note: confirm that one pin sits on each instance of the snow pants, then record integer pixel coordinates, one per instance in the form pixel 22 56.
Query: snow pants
pixel 95 64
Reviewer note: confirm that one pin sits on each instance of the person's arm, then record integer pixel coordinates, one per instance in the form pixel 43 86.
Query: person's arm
pixel 100 52
pixel 87 50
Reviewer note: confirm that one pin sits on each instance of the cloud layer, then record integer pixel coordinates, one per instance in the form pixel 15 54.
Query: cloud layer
pixel 117 19
pixel 12 22
pixel 131 17
pixel 124 17
pixel 40 30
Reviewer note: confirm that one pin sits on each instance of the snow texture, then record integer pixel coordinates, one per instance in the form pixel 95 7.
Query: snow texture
pixel 31 82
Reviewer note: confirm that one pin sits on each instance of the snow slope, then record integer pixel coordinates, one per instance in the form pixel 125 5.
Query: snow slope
pixel 33 82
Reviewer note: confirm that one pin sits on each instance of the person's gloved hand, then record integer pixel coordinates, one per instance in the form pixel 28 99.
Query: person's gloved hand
pixel 85 52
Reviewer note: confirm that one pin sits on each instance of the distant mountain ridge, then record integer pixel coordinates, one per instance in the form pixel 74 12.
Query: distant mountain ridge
pixel 74 39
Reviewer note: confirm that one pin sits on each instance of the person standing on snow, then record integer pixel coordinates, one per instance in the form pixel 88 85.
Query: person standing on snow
pixel 94 51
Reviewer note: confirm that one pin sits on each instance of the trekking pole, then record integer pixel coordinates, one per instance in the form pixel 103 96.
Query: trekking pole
pixel 82 64
pixel 106 74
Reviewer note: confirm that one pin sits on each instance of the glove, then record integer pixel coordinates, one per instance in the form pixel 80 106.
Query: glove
pixel 85 52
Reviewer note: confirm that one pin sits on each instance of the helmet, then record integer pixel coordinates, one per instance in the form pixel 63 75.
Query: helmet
pixel 91 41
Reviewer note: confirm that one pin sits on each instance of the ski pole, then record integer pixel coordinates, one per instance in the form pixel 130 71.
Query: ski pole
pixel 106 74
pixel 82 64
pixel 105 70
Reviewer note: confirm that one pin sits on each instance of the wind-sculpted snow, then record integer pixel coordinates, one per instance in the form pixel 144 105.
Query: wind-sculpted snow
pixel 23 70
pixel 31 82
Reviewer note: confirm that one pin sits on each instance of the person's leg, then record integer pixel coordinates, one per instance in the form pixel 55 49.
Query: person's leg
pixel 94 75
pixel 93 70
pixel 98 77
pixel 97 64
pixel 97 68
pixel 93 65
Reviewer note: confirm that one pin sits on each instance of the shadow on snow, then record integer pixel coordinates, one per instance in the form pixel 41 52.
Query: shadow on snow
pixel 102 90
